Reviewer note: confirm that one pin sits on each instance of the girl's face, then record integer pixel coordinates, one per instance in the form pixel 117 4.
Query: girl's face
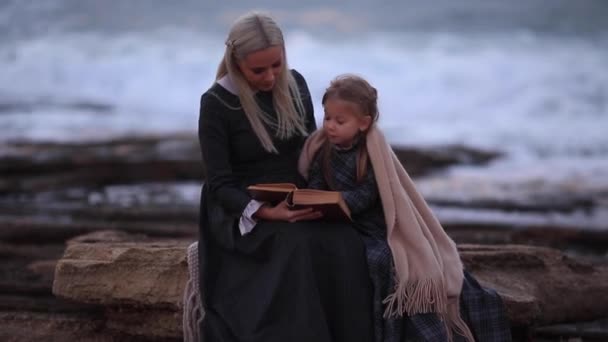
pixel 261 68
pixel 343 121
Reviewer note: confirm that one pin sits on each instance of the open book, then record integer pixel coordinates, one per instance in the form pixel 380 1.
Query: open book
pixel 330 203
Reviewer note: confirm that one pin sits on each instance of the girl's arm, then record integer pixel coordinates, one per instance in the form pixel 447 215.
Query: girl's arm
pixel 364 196
pixel 315 177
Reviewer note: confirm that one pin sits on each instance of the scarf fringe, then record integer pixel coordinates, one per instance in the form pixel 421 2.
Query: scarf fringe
pixel 193 311
pixel 416 297
pixel 455 323
pixel 428 296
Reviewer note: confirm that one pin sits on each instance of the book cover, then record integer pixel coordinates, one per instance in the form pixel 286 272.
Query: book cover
pixel 271 192
pixel 330 203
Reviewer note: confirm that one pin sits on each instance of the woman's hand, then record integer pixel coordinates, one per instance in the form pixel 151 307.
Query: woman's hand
pixel 281 212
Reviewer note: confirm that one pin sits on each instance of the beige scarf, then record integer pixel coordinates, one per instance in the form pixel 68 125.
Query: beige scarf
pixel 427 264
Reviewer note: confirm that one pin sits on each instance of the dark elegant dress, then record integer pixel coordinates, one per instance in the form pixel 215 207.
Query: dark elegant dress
pixel 304 281
pixel 481 308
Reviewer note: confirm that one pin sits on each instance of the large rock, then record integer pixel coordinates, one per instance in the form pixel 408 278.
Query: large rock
pixel 26 275
pixel 419 160
pixel 540 286
pixel 56 230
pixel 127 273
pixel 139 285
pixel 43 166
pixel 143 282
pixel 577 241
pixel 40 166
pixel 25 326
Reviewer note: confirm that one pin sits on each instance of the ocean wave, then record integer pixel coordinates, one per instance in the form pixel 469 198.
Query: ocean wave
pixel 523 93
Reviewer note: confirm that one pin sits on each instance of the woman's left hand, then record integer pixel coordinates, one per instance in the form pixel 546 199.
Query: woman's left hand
pixel 281 212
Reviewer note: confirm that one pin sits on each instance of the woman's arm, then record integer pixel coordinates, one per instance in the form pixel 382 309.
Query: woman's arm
pixel 248 221
pixel 215 148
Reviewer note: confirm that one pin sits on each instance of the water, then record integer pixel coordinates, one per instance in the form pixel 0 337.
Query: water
pixel 529 79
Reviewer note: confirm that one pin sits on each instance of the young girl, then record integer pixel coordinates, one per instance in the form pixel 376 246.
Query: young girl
pixel 414 266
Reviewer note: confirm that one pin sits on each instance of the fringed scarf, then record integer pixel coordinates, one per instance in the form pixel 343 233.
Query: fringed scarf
pixel 427 264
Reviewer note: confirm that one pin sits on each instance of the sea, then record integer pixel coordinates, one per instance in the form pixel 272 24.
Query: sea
pixel 528 79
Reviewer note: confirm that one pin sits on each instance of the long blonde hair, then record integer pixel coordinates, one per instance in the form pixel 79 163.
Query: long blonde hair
pixel 250 33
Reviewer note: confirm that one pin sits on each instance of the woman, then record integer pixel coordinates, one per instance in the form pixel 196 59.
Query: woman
pixel 269 273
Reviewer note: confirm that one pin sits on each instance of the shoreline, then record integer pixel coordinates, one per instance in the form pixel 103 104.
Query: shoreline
pixel 143 189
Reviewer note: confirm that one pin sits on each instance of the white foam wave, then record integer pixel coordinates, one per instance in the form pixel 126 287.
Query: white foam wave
pixel 520 93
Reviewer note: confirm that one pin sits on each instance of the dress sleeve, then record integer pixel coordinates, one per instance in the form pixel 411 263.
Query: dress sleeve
pixel 247 222
pixel 214 141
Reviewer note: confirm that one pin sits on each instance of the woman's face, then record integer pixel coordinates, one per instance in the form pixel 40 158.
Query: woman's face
pixel 343 121
pixel 261 68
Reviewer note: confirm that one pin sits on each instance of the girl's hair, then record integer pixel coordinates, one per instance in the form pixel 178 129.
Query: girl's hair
pixel 359 92
pixel 250 33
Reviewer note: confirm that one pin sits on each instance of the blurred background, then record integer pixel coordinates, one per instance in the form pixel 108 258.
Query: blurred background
pixel 526 79
pixel 498 109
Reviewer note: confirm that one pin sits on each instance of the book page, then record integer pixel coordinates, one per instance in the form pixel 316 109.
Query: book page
pixel 313 196
pixel 330 203
pixel 273 187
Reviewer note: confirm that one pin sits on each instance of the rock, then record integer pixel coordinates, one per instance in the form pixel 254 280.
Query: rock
pixel 42 157
pixel 140 285
pixel 585 331
pixel 107 236
pixel 126 278
pixel 29 251
pixel 44 268
pixel 58 230
pixel 26 278
pixel 43 303
pixel 540 286
pixel 139 274
pixel 165 324
pixel 591 244
pixel 420 160
pixel 42 166
pixel 32 167
pixel 560 212
pixel 559 202
pixel 27 270
pixel 36 326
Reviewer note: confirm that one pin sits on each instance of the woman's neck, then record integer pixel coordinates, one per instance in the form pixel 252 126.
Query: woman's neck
pixel 227 83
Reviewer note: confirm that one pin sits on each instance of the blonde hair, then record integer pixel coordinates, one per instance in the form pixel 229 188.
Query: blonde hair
pixel 250 33
pixel 356 90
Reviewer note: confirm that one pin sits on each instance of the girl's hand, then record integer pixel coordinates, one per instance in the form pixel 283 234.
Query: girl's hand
pixel 281 212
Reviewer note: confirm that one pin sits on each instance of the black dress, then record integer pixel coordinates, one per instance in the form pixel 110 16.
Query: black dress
pixel 304 281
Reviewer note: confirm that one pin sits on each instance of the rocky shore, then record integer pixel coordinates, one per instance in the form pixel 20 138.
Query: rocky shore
pixel 138 286
pixel 108 222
